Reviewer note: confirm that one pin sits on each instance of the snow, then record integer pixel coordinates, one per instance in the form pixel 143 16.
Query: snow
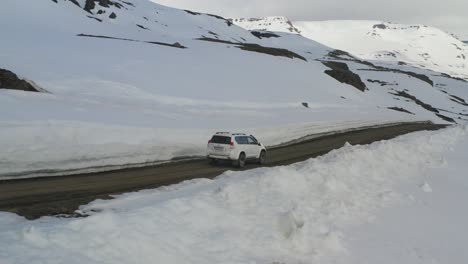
pixel 417 45
pixel 118 103
pixel 427 227
pixel 358 204
pixel 277 24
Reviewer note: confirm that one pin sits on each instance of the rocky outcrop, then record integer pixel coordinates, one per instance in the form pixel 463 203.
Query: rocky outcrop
pixel 341 72
pixel 9 80
pixel 91 4
pixel 258 48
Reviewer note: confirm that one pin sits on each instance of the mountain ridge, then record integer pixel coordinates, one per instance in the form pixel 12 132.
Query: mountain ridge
pixel 417 45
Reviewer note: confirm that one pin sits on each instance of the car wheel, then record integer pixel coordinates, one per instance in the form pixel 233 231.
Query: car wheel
pixel 262 157
pixel 240 162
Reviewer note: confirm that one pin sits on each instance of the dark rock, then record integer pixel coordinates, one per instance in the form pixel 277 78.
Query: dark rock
pixel 453 78
pixel 105 3
pixel 416 100
pixel 112 16
pixel 341 72
pixel 419 76
pixel 89 5
pixel 258 48
pixel 55 1
pixel 338 53
pixel 344 56
pixel 261 35
pixel 178 45
pixel 446 118
pixel 227 21
pixel 271 51
pixel 127 3
pixel 458 100
pixel 100 12
pixel 73 1
pixel 192 13
pixel 382 83
pixel 424 105
pixel 306 105
pixel 9 80
pixel 95 18
pixel 399 109
pixel 380 26
pixel 142 27
pixel 175 45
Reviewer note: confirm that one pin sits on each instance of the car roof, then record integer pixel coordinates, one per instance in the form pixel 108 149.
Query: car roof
pixel 229 134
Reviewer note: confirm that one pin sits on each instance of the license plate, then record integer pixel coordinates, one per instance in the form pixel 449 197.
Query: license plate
pixel 218 148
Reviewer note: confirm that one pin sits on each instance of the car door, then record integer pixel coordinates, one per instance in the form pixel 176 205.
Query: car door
pixel 253 147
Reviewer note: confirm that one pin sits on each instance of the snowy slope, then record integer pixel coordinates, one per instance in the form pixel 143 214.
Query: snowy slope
pixel 417 45
pixel 134 82
pixel 279 24
pixel 326 210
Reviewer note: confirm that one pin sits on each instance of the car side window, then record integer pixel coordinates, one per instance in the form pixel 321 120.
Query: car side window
pixel 242 140
pixel 252 141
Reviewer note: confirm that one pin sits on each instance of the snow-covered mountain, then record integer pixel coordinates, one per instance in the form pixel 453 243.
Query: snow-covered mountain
pixel 280 24
pixel 416 45
pixel 132 82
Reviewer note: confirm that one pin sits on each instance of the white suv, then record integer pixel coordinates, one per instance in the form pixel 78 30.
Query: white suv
pixel 236 147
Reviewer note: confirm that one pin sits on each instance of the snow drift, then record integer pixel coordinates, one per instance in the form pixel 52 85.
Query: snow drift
pixel 293 214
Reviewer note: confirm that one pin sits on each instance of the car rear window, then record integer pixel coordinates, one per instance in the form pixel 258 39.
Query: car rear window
pixel 221 140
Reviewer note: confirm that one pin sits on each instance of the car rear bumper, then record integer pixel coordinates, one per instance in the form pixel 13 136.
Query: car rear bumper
pixel 230 156
pixel 218 157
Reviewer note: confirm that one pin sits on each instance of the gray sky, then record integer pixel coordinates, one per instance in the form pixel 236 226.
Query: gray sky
pixel 449 15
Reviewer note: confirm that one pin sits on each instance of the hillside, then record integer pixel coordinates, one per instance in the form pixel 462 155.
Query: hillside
pixel 416 45
pixel 133 82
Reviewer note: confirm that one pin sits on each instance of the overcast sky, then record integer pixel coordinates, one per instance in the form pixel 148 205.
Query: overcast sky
pixel 449 15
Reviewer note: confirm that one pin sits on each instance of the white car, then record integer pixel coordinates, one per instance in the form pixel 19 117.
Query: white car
pixel 236 147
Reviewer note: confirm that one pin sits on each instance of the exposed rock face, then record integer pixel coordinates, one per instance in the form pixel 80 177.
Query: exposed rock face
pixel 112 16
pixel 9 80
pixel 380 26
pixel 91 4
pixel 73 1
pixel 400 109
pixel 258 48
pixel 261 35
pixel 341 72
pixel 282 24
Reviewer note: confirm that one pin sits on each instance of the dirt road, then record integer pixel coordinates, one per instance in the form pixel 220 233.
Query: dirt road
pixel 38 197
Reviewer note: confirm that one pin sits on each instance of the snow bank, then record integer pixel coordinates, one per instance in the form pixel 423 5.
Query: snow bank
pixel 50 148
pixel 291 214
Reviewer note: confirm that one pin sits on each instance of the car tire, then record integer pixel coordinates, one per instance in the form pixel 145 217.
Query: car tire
pixel 262 157
pixel 240 162
pixel 213 161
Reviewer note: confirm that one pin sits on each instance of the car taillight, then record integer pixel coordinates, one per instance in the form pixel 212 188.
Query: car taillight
pixel 232 144
pixel 209 141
